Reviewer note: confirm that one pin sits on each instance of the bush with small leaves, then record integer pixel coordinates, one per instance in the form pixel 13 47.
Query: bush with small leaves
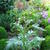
pixel 7 18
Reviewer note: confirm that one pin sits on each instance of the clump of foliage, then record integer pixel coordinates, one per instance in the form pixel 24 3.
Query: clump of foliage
pixel 3 44
pixel 24 42
pixel 7 19
pixel 45 22
pixel 26 25
pixel 6 15
pixel 6 5
pixel 3 33
pixel 26 21
pixel 27 28
pixel 45 45
pixel 47 32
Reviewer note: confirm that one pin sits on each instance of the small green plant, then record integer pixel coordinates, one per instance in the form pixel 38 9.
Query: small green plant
pixel 3 44
pixel 3 33
pixel 45 45
pixel 47 32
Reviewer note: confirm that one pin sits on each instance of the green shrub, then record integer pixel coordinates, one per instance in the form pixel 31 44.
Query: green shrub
pixel 45 45
pixel 6 5
pixel 7 19
pixel 3 33
pixel 47 32
pixel 3 44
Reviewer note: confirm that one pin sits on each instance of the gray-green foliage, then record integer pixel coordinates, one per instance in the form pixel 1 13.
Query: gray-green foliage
pixel 23 42
pixel 26 20
pixel 27 27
